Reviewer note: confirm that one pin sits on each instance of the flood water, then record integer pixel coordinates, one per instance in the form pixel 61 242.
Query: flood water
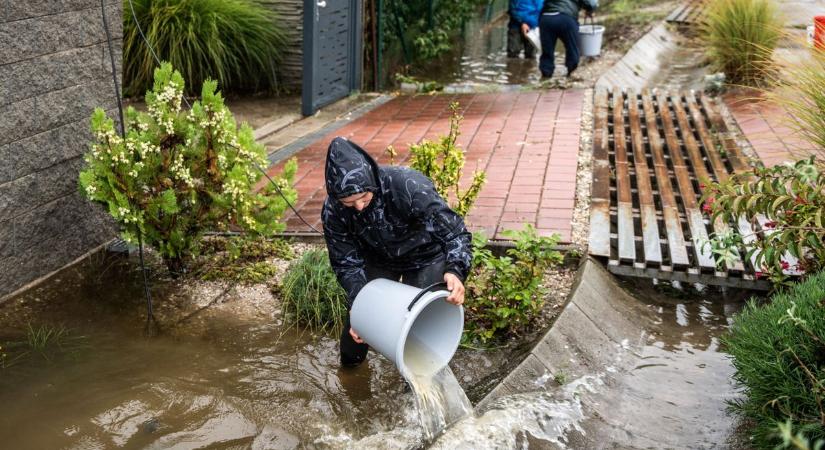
pixel 225 382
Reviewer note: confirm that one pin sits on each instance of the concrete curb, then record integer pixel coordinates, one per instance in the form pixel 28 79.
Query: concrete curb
pixel 648 397
pixel 635 70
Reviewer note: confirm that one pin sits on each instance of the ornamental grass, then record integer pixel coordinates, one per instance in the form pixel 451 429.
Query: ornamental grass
pixel 238 43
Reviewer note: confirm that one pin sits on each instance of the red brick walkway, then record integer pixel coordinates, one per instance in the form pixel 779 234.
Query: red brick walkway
pixel 527 142
pixel 766 127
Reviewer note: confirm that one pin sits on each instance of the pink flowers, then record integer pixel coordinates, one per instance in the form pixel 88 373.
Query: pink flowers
pixel 757 275
pixel 708 206
pixel 785 265
pixel 770 224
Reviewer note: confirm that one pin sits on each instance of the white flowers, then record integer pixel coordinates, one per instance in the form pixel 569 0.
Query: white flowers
pixel 181 172
pixel 90 190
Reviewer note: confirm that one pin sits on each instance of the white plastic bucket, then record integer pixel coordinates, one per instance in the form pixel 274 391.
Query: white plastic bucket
pixel 414 328
pixel 590 40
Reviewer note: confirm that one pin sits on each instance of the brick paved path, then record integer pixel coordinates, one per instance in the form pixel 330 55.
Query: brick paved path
pixel 766 128
pixel 527 142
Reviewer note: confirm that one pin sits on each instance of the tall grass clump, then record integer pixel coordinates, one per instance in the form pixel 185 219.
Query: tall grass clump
pixel 238 43
pixel 741 36
pixel 801 91
pixel 311 294
pixel 778 351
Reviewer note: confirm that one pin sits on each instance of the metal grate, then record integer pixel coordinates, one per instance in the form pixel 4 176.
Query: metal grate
pixel 651 152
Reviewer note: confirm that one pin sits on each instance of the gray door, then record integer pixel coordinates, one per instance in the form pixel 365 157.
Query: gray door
pixel 332 51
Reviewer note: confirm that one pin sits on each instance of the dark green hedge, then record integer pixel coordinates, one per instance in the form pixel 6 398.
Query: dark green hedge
pixel 778 351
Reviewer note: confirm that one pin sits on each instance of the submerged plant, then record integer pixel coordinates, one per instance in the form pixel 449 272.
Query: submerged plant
pixel 741 36
pixel 311 294
pixel 178 174
pixel 239 43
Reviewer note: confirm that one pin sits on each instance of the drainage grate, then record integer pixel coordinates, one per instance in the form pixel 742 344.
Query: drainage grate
pixel 691 12
pixel 650 155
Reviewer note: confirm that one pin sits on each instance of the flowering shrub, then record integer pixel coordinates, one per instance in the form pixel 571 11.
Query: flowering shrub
pixel 177 173
pixel 790 201
pixel 505 292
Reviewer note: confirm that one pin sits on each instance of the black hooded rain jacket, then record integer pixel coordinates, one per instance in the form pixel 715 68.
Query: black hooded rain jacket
pixel 406 226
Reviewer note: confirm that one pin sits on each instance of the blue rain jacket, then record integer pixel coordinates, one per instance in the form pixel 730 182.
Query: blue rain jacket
pixel 526 11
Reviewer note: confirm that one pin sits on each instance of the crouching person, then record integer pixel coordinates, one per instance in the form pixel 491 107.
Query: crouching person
pixel 388 222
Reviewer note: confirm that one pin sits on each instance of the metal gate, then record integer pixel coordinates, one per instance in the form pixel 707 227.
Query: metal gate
pixel 332 51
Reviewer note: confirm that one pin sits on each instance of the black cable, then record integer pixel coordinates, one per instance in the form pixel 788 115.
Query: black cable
pixel 150 318
pixel 157 60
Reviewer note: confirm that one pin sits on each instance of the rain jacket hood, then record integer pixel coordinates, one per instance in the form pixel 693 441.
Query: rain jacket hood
pixel 349 169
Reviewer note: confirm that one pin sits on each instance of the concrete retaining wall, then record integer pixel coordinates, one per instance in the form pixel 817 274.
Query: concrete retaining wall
pixel 54 70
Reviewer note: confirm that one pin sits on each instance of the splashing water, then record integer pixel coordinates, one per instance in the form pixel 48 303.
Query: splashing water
pixel 438 396
pixel 545 415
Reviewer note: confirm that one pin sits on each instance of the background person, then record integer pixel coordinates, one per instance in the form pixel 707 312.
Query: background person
pixel 560 20
pixel 524 16
pixel 388 222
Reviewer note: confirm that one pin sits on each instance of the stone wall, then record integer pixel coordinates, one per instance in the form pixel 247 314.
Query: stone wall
pixel 54 70
pixel 291 18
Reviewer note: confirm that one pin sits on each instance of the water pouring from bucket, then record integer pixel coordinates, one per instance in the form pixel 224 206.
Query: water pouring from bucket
pixel 417 329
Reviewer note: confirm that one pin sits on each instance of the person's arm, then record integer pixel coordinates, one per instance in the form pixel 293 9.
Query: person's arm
pixel 344 257
pixel 428 208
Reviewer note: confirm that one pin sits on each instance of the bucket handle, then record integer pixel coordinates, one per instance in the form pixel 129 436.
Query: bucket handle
pixel 592 26
pixel 440 285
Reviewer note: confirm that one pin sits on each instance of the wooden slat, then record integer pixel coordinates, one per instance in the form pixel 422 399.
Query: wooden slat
pixel 737 159
pixel 670 210
pixel 711 151
pixel 647 207
pixel 677 12
pixel 627 242
pixel 694 216
pixel 599 242
pixel 698 164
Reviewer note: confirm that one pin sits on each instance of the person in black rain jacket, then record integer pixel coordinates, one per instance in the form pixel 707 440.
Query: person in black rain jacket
pixel 388 222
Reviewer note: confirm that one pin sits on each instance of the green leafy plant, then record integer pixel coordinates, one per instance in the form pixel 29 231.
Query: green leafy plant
pixel 741 36
pixel 443 163
pixel 239 43
pixel 242 259
pixel 178 174
pixel 311 294
pixel 790 200
pixel 504 293
pixel 777 350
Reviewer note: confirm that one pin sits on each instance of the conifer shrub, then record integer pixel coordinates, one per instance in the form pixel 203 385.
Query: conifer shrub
pixel 741 36
pixel 178 174
pixel 778 351
pixel 239 43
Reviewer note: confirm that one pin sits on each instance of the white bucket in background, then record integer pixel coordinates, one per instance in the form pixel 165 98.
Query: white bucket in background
pixel 419 338
pixel 590 40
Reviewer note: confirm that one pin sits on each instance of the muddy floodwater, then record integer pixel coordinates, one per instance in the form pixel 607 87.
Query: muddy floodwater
pixel 220 380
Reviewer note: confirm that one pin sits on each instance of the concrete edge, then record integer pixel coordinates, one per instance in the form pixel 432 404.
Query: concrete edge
pixel 628 72
pixel 577 341
pixel 299 144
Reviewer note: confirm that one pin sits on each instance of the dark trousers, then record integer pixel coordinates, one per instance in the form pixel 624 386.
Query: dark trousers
pixel 552 28
pixel 516 41
pixel 353 353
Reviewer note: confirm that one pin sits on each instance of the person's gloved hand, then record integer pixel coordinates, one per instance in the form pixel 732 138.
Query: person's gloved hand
pixel 525 28
pixel 456 288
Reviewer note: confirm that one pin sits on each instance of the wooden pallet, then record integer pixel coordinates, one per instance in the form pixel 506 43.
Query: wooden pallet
pixel 691 12
pixel 651 154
